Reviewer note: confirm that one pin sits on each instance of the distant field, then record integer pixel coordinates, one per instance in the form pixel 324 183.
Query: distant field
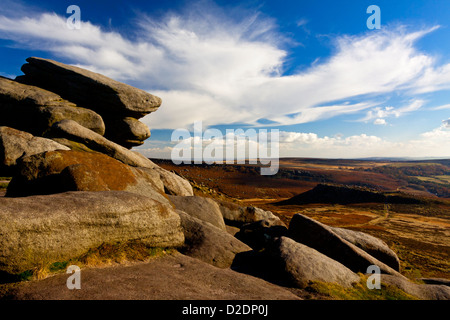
pixel 436 179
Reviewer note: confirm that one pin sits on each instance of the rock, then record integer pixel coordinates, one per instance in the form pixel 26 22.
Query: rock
pixel 72 131
pixel 128 132
pixel 209 243
pixel 422 291
pixel 440 281
pixel 37 230
pixel 237 215
pixel 202 208
pixel 373 246
pixel 88 89
pixel 15 144
pixel 171 277
pixel 304 264
pixel 62 171
pixel 174 184
pixel 259 234
pixel 35 110
pixel 232 230
pixel 321 237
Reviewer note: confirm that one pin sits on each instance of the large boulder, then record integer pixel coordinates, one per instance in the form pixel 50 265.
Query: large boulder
pixel 37 230
pixel 209 243
pixel 174 184
pixel 61 171
pixel 322 238
pixel 237 215
pixel 70 130
pixel 88 89
pixel 15 144
pixel 372 245
pixel 128 132
pixel 202 208
pixel 303 264
pixel 35 110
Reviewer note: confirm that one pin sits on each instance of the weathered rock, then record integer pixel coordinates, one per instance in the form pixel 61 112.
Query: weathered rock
pixel 304 264
pixel 62 171
pixel 202 208
pixel 422 291
pixel 209 243
pixel 237 215
pixel 72 131
pixel 128 132
pixel 440 281
pixel 373 246
pixel 174 184
pixel 260 234
pixel 171 277
pixel 320 237
pixel 15 144
pixel 44 229
pixel 34 110
pixel 88 89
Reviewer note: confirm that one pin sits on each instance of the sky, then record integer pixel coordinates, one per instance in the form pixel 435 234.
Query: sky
pixel 311 69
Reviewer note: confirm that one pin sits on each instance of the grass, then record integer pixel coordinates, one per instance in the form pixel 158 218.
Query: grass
pixel 358 291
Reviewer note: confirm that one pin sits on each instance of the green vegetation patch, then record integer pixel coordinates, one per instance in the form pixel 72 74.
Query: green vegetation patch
pixel 358 291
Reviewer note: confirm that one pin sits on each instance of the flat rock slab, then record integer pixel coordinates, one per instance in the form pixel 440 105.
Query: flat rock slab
pixel 171 277
pixel 88 89
pixel 73 131
pixel 34 110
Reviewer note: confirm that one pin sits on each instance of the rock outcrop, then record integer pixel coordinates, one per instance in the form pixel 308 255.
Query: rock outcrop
pixel 237 215
pixel 322 238
pixel 373 246
pixel 62 171
pixel 35 110
pixel 44 229
pixel 208 243
pixel 15 144
pixel 304 264
pixel 95 92
pixel 70 130
pixel 200 207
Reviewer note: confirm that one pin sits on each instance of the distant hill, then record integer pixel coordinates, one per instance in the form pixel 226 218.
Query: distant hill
pixel 328 193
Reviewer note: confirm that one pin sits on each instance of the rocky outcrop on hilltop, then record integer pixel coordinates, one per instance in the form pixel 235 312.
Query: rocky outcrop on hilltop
pixel 119 104
pixel 65 138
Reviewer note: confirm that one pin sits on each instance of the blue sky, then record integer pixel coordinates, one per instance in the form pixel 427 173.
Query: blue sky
pixel 311 69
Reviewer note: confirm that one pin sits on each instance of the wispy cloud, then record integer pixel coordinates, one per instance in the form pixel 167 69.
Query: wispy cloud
pixel 208 65
pixel 381 113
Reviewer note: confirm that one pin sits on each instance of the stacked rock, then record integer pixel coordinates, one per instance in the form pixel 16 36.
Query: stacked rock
pixel 119 105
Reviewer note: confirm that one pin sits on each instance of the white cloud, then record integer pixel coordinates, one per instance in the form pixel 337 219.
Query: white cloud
pixel 379 113
pixel 443 107
pixel 380 121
